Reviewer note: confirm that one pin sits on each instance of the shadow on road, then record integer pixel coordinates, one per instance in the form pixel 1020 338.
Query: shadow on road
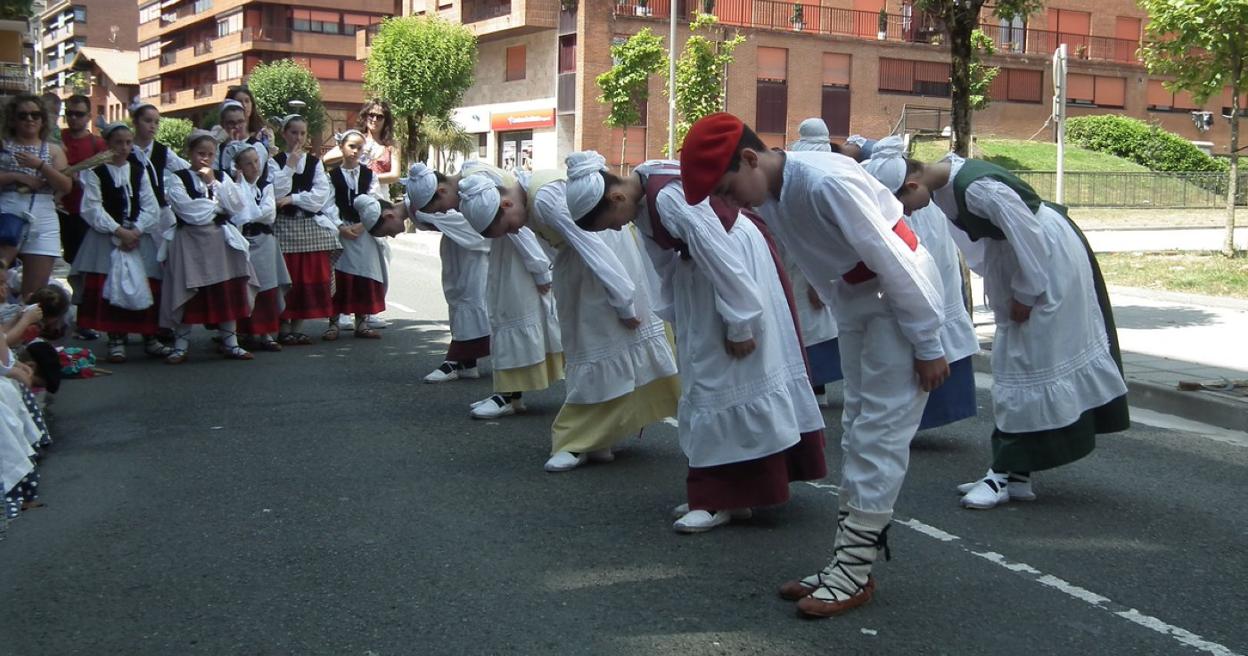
pixel 1140 317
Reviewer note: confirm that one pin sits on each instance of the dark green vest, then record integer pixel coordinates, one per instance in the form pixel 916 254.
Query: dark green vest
pixel 978 227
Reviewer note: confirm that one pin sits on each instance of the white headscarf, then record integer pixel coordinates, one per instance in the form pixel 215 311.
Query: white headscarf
pixel 420 184
pixel 585 183
pixel 235 148
pixel 342 136
pixel 479 201
pixel 226 104
pixel 812 136
pixel 369 210
pixel 111 128
pixel 287 119
pixel 888 162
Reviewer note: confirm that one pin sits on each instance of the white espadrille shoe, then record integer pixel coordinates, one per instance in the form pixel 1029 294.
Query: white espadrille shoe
pixel 565 461
pixel 989 492
pixel 701 521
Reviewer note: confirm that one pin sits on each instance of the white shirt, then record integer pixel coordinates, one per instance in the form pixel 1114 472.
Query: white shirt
pixel 93 203
pixel 831 215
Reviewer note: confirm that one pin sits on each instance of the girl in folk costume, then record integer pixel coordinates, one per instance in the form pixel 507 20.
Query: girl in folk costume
pixel 248 199
pixel 235 127
pixel 156 158
pixel 528 353
pixel 119 204
pixel 846 233
pixel 815 316
pixel 749 423
pixel 955 399
pixel 306 235
pixel 620 370
pixel 359 283
pixel 210 278
pixel 1056 368
pixel 258 131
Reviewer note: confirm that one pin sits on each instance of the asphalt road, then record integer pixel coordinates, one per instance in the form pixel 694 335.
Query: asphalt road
pixel 324 501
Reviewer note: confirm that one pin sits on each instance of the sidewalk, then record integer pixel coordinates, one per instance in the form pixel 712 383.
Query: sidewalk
pixel 1167 338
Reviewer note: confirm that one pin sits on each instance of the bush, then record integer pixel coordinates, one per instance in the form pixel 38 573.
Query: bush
pixel 173 132
pixel 275 84
pixel 1140 142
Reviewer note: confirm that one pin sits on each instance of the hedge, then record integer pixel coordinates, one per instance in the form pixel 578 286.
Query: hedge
pixel 1140 142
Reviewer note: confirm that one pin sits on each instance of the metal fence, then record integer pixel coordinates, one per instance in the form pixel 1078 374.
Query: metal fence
pixel 1139 189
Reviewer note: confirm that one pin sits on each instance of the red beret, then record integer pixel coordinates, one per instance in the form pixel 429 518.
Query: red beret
pixel 704 157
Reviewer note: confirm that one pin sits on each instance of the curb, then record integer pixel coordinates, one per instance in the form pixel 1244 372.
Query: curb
pixel 1204 407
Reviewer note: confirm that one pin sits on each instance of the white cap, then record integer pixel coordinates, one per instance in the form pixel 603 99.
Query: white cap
pixel 479 201
pixel 369 210
pixel 420 185
pixel 585 183
pixel 888 162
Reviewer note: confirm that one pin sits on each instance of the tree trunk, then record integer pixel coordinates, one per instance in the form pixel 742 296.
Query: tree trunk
pixel 623 148
pixel 1232 189
pixel 413 141
pixel 960 80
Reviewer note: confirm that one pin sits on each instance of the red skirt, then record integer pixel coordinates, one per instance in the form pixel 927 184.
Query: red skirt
pixel 358 295
pixel 757 483
pixel 224 301
pixel 309 295
pixel 472 349
pixel 265 315
pixel 97 314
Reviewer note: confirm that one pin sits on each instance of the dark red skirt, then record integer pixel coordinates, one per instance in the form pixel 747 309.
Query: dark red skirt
pixel 97 314
pixel 757 483
pixel 358 295
pixel 265 315
pixel 309 295
pixel 472 349
pixel 224 301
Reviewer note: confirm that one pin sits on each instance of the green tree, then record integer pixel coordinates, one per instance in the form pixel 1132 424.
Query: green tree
pixel 275 84
pixel 16 9
pixel 961 19
pixel 626 85
pixel 1204 45
pixel 421 66
pixel 700 73
pixel 446 138
pixel 981 76
pixel 172 132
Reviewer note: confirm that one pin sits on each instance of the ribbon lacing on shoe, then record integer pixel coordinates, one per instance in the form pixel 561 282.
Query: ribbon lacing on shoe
pixel 840 562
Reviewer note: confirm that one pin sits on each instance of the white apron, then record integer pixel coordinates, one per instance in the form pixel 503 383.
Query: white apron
pixel 523 322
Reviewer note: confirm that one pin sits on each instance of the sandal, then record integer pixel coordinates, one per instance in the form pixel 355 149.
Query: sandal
pixel 331 333
pixel 237 353
pixel 176 356
pixel 367 333
pixel 268 344
pixel 155 349
pixel 116 351
pixel 294 339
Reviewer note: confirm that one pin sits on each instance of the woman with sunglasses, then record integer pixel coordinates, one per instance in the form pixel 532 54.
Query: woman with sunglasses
pixel 30 174
pixel 379 154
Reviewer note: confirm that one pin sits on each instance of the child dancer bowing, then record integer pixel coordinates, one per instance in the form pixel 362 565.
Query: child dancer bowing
pixel 120 206
pixel 305 234
pixel 620 370
pixel 528 352
pixel 955 399
pixel 749 423
pixel 210 278
pixel 1056 369
pixel 249 202
pixel 840 224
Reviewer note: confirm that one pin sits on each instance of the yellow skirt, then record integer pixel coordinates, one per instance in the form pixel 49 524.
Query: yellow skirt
pixel 531 378
pixel 592 426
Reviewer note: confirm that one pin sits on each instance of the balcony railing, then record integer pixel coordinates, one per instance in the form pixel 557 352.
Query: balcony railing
pixel 204 90
pixel 15 78
pixel 168 97
pixel 913 28
pixel 168 58
pixel 479 10
pixel 269 33
pixel 203 47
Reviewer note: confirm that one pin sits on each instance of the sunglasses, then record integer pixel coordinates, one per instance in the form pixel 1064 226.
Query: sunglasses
pixel 376 116
pixel 71 114
pixel 29 116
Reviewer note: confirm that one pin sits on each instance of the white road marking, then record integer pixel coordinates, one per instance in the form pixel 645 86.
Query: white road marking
pixel 400 306
pixel 1180 635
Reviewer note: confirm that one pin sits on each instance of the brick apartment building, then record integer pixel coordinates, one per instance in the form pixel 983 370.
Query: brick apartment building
pixel 68 26
pixel 535 94
pixel 192 51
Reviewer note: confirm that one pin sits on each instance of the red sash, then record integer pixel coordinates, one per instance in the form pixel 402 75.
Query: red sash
pixel 860 273
pixel 654 184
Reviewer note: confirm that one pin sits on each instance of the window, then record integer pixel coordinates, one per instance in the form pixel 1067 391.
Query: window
pixel 149 88
pixel 1127 31
pixel 201 6
pixel 483 140
pixel 914 77
pixel 230 24
pixel 149 51
pixel 230 70
pixel 1161 100
pixel 834 103
pixel 352 23
pixel 1226 103
pixel 316 20
pixel 80 14
pixel 353 69
pixel 1018 85
pixel 567 53
pixel 1098 90
pixel 149 13
pixel 515 64
pixel 772 97
pixel 1070 22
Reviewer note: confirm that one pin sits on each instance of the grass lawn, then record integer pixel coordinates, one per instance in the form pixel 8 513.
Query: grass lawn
pixel 1193 273
pixel 1019 155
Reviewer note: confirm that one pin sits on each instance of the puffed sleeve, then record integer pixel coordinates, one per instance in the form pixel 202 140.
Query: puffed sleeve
pixel 195 211
pixel 737 298
pixel 322 191
pixel 454 226
pixel 149 208
pixel 552 209
pixel 93 205
pixel 535 260
pixel 1002 206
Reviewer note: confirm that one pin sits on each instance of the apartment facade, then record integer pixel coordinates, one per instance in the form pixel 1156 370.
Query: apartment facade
pixel 192 51
pixel 871 67
pixel 68 26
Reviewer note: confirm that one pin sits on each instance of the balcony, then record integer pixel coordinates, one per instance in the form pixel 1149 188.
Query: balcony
pixel 917 28
pixel 475 11
pixel 14 78
pixel 59 34
pixel 202 95
pixel 204 90
pixel 513 17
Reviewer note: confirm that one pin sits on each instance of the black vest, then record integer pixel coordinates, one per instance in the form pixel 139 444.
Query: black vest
pixel 254 229
pixel 301 183
pixel 156 174
pixel 188 181
pixel 114 198
pixel 344 198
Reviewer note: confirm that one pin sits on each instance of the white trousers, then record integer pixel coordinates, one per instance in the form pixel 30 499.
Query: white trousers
pixel 883 401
